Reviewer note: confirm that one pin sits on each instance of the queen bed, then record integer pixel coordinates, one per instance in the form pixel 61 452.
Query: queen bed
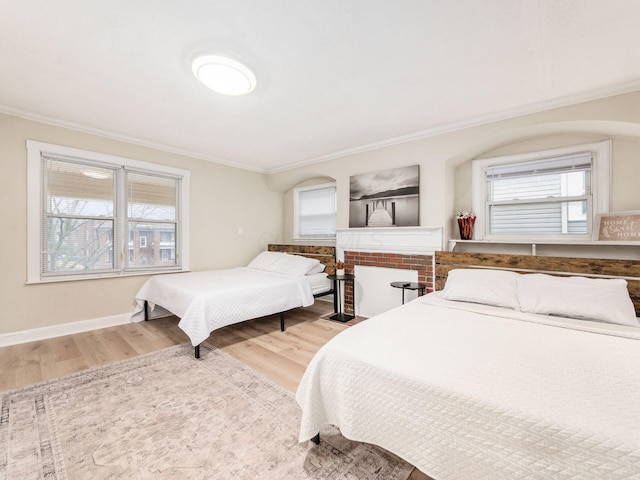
pixel 274 282
pixel 499 375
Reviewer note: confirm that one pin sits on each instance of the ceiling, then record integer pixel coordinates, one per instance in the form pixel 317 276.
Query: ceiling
pixel 334 76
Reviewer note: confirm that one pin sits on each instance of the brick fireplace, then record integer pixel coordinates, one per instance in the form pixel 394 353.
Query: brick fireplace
pixel 423 264
pixel 393 251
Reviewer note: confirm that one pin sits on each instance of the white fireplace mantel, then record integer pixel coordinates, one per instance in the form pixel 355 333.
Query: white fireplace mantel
pixel 404 240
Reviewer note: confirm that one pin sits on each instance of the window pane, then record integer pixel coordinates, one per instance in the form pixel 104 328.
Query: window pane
pixel 577 217
pixel 317 212
pixel 318 225
pixel 75 245
pixel 74 189
pixel 151 197
pixel 538 186
pixel 557 189
pixel 539 218
pixel 541 186
pixel 314 202
pixel 151 244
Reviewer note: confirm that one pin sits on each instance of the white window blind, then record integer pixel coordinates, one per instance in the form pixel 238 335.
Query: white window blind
pixel 78 221
pixel 551 196
pixel 316 211
pixel 151 219
pixel 93 215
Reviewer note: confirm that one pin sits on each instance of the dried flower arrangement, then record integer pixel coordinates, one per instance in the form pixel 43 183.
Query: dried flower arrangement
pixel 465 214
pixel 466 220
pixel 339 265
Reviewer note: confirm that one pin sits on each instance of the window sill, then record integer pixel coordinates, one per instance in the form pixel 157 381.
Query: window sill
pixel 72 278
pixel 533 243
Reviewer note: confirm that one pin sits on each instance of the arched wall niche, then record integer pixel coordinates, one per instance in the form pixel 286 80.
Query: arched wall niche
pixel 284 184
pixel 625 138
pixel 304 180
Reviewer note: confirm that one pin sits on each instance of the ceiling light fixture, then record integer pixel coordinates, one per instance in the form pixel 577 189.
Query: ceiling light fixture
pixel 224 75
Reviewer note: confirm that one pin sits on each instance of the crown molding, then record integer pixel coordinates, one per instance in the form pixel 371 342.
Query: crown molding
pixel 473 122
pixel 430 132
pixel 14 112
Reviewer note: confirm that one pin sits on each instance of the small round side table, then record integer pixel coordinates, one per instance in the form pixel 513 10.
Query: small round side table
pixel 409 286
pixel 337 296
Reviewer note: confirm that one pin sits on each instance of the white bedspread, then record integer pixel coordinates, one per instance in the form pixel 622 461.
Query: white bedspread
pixel 463 393
pixel 206 301
pixel 319 283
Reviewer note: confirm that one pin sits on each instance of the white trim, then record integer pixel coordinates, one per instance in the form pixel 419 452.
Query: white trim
pixel 34 117
pixel 34 208
pixel 543 106
pixel 600 183
pixel 34 212
pixel 404 240
pixel 43 333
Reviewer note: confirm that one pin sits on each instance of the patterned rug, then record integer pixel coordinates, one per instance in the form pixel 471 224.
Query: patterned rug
pixel 166 415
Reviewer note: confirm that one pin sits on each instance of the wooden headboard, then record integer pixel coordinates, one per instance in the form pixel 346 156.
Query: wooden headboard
pixel 587 267
pixel 326 254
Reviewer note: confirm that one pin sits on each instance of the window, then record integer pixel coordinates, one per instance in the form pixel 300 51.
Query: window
pixel 542 195
pixel 315 211
pixel 83 205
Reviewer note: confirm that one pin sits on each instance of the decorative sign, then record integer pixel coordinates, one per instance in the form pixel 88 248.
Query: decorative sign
pixel 619 227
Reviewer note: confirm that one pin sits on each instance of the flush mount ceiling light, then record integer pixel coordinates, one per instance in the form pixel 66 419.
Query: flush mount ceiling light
pixel 224 75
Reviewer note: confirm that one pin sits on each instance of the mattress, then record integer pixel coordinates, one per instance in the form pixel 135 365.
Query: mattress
pixel 206 301
pixel 475 392
pixel 319 283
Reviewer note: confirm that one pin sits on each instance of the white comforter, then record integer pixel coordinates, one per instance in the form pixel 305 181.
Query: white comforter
pixel 467 393
pixel 206 301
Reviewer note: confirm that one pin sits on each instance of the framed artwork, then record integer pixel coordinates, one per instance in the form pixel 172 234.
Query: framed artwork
pixel 617 227
pixel 387 198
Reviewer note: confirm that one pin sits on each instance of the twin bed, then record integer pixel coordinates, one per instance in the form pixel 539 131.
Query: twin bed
pixel 283 278
pixel 499 375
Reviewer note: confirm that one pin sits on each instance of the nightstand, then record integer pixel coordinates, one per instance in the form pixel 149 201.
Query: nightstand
pixel 340 316
pixel 409 286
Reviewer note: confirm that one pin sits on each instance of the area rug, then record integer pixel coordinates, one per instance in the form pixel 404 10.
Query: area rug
pixel 166 415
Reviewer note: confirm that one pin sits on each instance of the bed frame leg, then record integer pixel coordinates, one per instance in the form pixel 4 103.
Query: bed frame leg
pixel 146 310
pixel 196 351
pixel 316 439
pixel 282 321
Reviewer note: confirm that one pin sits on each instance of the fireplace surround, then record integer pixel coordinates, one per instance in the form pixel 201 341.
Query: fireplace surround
pixel 402 248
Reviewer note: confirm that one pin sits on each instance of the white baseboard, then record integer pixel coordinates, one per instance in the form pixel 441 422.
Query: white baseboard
pixel 24 336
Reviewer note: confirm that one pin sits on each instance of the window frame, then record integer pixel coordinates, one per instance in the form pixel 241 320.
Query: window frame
pixel 296 211
pixel 35 213
pixel 598 203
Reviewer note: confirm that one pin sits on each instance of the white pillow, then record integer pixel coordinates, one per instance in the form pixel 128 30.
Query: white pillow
pixel 477 285
pixel 319 268
pixel 283 263
pixel 264 260
pixel 604 300
pixel 294 264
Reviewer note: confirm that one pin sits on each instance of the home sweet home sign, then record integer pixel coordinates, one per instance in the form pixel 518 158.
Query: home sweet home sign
pixel 619 227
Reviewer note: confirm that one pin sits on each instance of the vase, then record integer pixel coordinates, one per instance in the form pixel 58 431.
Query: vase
pixel 339 271
pixel 466 227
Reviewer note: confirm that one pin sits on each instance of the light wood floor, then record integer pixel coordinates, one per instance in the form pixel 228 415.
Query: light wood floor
pixel 282 356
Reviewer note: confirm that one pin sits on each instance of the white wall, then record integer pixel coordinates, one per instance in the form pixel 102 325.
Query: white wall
pixel 225 198
pixel 444 187
pixel 222 199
